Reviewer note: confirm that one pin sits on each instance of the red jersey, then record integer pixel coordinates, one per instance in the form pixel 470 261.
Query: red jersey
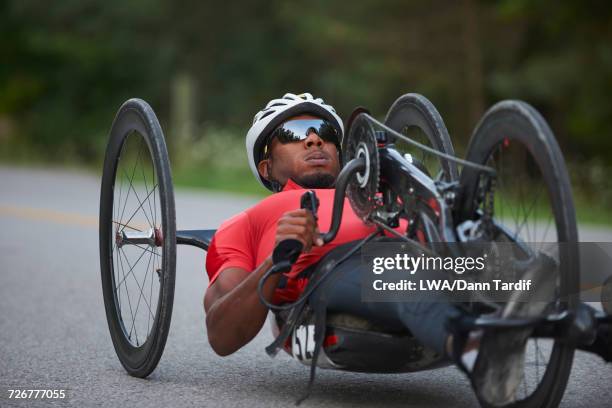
pixel 247 239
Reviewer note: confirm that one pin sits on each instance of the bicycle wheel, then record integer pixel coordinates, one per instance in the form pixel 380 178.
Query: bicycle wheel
pixel 137 238
pixel 416 117
pixel 533 202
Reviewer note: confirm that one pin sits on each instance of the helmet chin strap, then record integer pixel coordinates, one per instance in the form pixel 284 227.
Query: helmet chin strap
pixel 276 186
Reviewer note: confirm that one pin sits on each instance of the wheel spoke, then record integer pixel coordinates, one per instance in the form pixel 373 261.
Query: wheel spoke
pixel 525 219
pixel 120 219
pixel 140 296
pixel 127 195
pixel 131 268
pixel 145 249
pixel 548 224
pixel 126 226
pixel 127 174
pixel 137 204
pixel 140 206
pixel 126 289
pixel 118 201
pixel 521 191
pixel 151 288
pixel 144 177
pixel 116 274
pixel 136 280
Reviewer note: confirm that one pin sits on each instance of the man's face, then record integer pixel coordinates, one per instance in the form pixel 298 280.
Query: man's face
pixel 312 162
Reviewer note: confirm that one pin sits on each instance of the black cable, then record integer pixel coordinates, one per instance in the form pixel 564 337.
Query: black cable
pixel 430 150
pixel 286 265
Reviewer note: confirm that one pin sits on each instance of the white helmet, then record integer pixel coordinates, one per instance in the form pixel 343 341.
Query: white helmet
pixel 274 114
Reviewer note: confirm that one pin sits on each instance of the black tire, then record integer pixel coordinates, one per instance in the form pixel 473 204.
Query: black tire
pixel 516 126
pixel 414 110
pixel 136 122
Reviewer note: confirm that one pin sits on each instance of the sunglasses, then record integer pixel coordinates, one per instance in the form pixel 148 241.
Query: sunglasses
pixel 298 130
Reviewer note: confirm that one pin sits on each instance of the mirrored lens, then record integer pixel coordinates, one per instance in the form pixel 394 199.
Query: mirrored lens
pixel 299 129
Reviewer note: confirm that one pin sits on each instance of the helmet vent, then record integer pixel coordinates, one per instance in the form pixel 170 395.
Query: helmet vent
pixel 268 113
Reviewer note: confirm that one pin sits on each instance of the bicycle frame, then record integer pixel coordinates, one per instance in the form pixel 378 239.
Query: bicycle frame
pixel 417 189
pixel 433 203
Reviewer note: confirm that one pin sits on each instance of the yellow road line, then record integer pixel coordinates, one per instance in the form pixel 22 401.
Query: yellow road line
pixel 42 214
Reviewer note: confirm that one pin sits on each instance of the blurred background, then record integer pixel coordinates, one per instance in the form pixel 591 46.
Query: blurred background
pixel 207 67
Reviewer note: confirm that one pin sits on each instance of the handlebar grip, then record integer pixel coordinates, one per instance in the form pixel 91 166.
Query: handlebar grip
pixel 287 250
pixel 310 202
pixel 290 249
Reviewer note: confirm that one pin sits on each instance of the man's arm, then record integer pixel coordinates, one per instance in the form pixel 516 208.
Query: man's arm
pixel 234 313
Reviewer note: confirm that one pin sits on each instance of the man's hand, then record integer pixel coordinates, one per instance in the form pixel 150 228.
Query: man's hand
pixel 227 300
pixel 300 225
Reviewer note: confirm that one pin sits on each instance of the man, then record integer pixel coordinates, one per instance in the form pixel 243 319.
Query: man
pixel 294 145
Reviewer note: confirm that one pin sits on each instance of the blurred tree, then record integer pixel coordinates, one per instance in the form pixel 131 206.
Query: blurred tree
pixel 71 64
pixel 67 67
pixel 563 65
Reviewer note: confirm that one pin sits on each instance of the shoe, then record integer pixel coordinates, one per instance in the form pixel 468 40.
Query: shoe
pixel 499 364
pixel 599 342
pixel 606 296
pixel 602 346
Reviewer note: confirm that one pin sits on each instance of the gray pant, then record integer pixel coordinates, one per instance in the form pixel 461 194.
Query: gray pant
pixel 341 291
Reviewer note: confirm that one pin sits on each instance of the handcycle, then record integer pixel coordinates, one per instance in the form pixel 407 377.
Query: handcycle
pixel 384 184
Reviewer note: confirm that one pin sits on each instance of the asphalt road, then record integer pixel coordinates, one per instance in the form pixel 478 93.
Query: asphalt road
pixel 53 331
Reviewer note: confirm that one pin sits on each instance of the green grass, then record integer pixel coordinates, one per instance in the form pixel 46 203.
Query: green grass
pixel 241 181
pixel 236 181
pixel 588 211
pixel 230 174
pixel 593 212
